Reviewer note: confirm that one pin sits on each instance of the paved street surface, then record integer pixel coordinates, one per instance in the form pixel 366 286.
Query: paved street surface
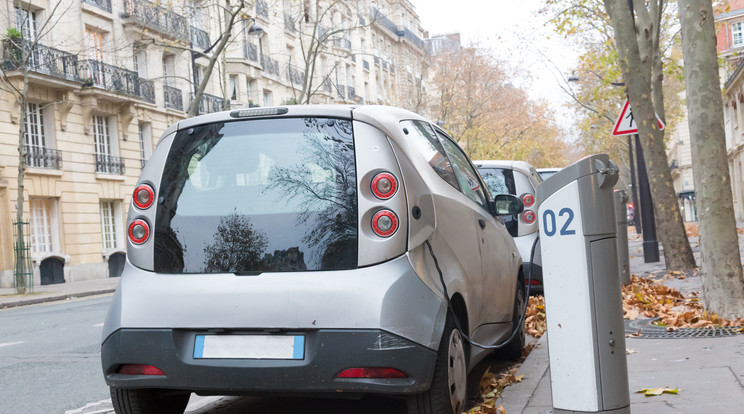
pixel 49 356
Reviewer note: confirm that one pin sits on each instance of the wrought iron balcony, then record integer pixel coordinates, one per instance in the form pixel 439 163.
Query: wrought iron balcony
pixel 270 65
pixel 262 9
pixel 101 4
pixel 365 64
pixel 115 79
pixel 41 59
pixel 210 103
pixel 158 18
pixel 199 38
pixel 109 164
pixel 250 51
pixel 289 24
pixel 382 20
pixel 173 97
pixel 42 157
pixel 408 34
pixel 295 76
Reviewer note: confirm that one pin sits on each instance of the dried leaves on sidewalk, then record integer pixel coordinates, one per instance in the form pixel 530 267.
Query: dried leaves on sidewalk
pixel 534 321
pixel 651 392
pixel 647 298
pixel 491 387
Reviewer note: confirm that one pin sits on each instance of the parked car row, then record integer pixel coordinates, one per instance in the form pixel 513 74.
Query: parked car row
pixel 316 249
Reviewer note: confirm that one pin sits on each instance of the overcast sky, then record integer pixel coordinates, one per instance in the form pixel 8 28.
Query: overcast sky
pixel 515 31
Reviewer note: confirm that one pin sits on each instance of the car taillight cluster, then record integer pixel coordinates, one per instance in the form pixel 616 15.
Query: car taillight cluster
pixel 143 198
pixel 528 216
pixel 384 186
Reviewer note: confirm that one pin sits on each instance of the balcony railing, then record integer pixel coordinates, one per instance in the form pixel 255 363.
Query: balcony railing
pixel 101 4
pixel 365 64
pixel 173 97
pixel 289 24
pixel 42 157
pixel 408 34
pixel 295 76
pixel 109 164
pixel 41 59
pixel 210 103
pixel 116 79
pixel 250 51
pixel 270 65
pixel 158 18
pixel 199 38
pixel 262 9
pixel 381 19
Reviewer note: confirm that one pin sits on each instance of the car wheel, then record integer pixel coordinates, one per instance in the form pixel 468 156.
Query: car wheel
pixel 449 385
pixel 513 350
pixel 148 400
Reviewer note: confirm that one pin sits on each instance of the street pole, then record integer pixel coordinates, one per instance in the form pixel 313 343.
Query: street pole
pixel 650 244
pixel 634 188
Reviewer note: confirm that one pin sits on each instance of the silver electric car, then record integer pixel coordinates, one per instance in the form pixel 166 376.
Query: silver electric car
pixel 520 179
pixel 320 249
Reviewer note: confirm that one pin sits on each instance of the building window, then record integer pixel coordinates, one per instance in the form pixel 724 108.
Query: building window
pixel 234 92
pixel 737 33
pixel 268 98
pixel 109 228
pixel 107 160
pixel 168 69
pixel 26 23
pixel 140 62
pixel 145 142
pixel 43 225
pixel 39 141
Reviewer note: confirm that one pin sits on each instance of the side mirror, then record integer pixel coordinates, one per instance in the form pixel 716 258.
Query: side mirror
pixel 507 205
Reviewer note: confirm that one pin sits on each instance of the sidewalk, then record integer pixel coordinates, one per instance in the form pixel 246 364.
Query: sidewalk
pixel 709 372
pixel 62 291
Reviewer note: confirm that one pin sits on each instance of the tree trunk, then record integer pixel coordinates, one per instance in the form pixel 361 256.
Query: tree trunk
pixel 721 271
pixel 21 252
pixel 637 71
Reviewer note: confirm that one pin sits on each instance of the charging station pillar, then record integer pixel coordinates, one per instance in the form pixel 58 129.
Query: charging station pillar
pixel 621 216
pixel 586 337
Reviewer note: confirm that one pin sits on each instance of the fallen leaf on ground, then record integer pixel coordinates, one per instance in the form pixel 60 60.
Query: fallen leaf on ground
pixel 629 351
pixel 651 392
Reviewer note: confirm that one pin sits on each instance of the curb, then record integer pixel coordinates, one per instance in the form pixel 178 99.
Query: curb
pixel 55 298
pixel 515 397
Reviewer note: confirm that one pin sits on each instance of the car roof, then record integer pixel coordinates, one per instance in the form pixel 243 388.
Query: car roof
pixel 383 117
pixel 521 166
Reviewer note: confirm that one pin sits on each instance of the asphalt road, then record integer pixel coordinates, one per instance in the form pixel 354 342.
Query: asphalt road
pixel 49 356
pixel 50 364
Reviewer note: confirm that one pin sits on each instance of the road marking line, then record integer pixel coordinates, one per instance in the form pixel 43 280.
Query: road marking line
pixel 11 343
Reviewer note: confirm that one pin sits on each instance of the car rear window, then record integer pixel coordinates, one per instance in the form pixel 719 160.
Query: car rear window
pixel 267 195
pixel 501 181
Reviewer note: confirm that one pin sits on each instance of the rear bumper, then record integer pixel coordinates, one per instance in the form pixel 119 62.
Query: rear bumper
pixel 327 352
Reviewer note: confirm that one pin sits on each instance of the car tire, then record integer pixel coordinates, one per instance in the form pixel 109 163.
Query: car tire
pixel 448 389
pixel 513 350
pixel 148 401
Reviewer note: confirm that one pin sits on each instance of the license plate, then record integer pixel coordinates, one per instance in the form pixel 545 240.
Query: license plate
pixel 249 347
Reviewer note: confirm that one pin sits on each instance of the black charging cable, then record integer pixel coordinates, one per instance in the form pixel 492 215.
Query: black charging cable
pixel 450 309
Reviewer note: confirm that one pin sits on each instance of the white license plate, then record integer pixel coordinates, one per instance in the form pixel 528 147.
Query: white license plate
pixel 249 347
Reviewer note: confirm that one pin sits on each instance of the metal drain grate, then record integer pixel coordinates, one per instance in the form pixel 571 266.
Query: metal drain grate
pixel 651 331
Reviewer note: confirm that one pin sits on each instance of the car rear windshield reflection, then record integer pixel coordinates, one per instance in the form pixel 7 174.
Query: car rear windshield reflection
pixel 259 196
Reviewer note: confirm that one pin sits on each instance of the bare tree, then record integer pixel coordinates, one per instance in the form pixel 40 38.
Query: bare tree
pixel 721 271
pixel 22 56
pixel 637 33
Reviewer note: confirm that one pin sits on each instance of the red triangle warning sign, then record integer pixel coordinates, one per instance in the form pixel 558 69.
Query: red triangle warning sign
pixel 626 125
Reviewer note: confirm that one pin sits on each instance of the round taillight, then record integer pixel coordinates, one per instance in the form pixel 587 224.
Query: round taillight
pixel 139 231
pixel 384 223
pixel 384 185
pixel 528 200
pixel 529 217
pixel 143 196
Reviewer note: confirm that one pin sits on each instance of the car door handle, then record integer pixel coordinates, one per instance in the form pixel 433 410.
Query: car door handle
pixel 482 223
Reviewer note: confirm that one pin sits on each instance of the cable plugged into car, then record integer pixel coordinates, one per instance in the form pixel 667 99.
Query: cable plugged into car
pixel 458 325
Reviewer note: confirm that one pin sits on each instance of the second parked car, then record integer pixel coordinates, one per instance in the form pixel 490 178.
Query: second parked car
pixel 520 179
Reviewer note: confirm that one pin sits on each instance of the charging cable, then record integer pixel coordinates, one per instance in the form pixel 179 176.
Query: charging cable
pixel 450 309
